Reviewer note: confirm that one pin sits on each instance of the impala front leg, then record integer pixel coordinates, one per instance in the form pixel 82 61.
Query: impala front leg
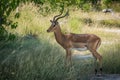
pixel 68 57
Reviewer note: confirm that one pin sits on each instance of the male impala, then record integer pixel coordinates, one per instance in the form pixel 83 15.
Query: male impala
pixel 75 41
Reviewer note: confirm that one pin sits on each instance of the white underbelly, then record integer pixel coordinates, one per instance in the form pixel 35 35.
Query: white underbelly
pixel 79 49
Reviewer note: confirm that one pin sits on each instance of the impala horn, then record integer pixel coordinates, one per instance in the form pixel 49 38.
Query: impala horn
pixel 58 15
pixel 66 14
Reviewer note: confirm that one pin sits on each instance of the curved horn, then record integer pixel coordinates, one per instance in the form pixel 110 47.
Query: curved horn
pixel 66 14
pixel 57 16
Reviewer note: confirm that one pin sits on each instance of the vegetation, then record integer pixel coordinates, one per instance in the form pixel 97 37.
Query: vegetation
pixel 111 22
pixel 28 52
pixel 45 8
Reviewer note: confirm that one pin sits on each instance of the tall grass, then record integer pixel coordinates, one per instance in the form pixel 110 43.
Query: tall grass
pixel 111 58
pixel 34 60
pixel 42 58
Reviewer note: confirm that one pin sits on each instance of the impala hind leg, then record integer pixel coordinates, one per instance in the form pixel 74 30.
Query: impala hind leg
pixel 99 57
pixel 95 65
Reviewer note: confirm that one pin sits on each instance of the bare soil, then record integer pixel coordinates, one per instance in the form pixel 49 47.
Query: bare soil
pixel 106 77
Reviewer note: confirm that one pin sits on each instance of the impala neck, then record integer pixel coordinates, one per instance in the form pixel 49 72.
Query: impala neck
pixel 59 35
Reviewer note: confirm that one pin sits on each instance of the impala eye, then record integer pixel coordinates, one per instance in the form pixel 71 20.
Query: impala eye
pixel 53 24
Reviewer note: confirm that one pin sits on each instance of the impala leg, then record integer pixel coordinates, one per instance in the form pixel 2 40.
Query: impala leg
pixel 95 62
pixel 95 65
pixel 93 46
pixel 68 57
pixel 99 57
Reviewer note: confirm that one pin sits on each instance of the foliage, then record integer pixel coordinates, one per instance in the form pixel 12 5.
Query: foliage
pixel 6 7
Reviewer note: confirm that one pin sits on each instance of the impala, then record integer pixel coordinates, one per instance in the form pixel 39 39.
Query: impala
pixel 79 42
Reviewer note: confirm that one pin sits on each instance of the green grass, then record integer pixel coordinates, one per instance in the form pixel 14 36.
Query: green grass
pixel 33 60
pixel 42 58
pixel 111 58
pixel 111 23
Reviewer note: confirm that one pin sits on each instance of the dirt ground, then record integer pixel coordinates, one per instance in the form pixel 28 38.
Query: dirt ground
pixel 106 77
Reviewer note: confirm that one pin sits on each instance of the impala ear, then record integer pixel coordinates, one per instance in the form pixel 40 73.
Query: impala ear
pixel 51 21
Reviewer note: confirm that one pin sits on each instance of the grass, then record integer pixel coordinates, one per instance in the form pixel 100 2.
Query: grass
pixel 111 23
pixel 42 58
pixel 32 59
pixel 111 57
